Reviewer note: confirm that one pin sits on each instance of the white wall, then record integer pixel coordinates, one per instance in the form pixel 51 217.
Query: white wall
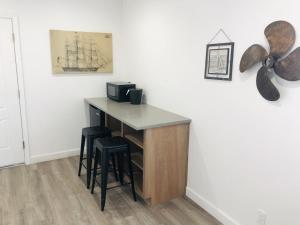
pixel 244 151
pixel 55 106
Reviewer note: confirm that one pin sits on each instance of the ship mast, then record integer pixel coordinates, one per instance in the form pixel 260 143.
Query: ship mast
pixel 91 54
pixel 77 51
pixel 67 54
pixel 93 57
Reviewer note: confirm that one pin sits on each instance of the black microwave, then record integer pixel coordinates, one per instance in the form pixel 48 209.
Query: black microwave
pixel 117 91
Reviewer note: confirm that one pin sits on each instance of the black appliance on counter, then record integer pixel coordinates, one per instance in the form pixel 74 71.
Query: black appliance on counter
pixel 135 96
pixel 117 91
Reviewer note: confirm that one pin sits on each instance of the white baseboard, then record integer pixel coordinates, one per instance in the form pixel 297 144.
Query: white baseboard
pixel 54 155
pixel 210 208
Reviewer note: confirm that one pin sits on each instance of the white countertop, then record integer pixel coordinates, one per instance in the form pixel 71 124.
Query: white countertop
pixel 139 117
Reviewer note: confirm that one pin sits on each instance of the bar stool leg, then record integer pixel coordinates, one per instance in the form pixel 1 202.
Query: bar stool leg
pixel 104 173
pixel 113 159
pixel 95 170
pixel 89 159
pixel 131 174
pixel 120 159
pixel 81 153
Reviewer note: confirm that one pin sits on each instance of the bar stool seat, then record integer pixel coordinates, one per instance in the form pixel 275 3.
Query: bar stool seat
pixel 96 131
pixel 103 148
pixel 112 143
pixel 90 134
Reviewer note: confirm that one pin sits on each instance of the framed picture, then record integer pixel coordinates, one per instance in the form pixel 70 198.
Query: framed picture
pixel 219 60
pixel 81 52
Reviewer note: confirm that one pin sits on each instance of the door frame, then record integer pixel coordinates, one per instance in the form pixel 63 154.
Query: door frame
pixel 21 85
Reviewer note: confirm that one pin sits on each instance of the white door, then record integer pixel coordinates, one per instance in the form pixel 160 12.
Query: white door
pixel 11 140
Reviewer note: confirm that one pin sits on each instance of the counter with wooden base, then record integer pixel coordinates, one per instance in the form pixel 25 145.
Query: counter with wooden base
pixel 159 146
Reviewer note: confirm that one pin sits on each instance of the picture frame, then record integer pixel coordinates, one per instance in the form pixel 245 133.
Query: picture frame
pixel 219 61
pixel 81 52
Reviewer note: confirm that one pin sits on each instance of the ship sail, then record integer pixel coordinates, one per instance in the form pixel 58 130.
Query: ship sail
pixel 83 56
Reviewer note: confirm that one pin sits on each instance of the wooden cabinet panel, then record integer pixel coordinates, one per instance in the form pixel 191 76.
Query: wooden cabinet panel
pixel 165 162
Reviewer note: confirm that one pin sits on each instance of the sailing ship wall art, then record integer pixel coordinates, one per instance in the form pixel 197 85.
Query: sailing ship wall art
pixel 81 52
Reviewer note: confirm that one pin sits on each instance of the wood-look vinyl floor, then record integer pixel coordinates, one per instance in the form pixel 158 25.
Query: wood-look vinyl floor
pixel 51 193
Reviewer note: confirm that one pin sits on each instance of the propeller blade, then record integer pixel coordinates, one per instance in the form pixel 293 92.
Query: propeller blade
pixel 281 36
pixel 289 67
pixel 264 85
pixel 254 54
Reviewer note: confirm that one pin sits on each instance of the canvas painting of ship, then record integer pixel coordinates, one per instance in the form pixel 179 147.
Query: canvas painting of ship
pixel 81 52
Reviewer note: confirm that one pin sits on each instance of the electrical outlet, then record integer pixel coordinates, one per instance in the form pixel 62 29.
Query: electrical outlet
pixel 261 217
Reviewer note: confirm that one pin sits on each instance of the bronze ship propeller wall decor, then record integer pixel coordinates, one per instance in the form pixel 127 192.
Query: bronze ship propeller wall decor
pixel 281 36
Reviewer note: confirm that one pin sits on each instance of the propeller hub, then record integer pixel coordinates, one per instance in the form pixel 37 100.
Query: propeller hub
pixel 269 62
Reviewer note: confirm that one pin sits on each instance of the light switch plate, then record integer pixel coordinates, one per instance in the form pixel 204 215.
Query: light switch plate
pixel 261 217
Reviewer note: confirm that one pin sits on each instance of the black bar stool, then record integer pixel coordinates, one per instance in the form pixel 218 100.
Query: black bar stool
pixel 91 133
pixel 103 148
